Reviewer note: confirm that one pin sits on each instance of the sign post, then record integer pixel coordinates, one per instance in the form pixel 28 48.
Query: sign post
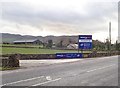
pixel 84 42
pixel 78 44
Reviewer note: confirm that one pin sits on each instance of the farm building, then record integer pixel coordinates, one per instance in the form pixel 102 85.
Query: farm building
pixel 72 46
pixel 32 41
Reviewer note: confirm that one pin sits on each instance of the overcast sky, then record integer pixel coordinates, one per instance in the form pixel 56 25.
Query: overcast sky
pixel 60 17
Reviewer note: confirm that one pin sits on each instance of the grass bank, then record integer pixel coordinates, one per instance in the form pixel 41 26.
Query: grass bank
pixel 8 68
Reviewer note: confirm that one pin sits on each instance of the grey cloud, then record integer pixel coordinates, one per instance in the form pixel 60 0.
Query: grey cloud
pixel 20 13
pixel 96 13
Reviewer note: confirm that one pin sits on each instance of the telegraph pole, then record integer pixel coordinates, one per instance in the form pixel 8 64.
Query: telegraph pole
pixel 110 36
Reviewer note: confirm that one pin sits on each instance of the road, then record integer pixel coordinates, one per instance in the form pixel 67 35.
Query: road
pixel 102 71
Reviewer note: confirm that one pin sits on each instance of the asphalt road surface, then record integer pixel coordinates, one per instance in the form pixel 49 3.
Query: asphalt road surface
pixel 102 71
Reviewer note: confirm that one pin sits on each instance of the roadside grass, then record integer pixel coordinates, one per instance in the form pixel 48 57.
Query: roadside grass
pixel 8 68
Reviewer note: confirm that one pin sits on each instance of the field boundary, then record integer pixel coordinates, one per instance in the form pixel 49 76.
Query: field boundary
pixel 53 56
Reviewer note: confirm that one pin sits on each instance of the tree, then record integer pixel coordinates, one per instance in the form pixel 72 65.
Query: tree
pixel 44 45
pixel 60 44
pixel 70 41
pixel 108 44
pixel 49 44
pixel 117 46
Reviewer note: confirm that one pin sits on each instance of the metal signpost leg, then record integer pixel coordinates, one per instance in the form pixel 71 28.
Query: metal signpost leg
pixel 78 43
pixel 81 50
pixel 78 50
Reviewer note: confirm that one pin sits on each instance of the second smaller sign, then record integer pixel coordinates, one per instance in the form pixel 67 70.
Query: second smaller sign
pixel 69 55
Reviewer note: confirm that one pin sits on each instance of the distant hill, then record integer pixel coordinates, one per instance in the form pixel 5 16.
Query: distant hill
pixel 6 37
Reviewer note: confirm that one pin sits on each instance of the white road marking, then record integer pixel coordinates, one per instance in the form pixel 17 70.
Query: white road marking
pixel 91 70
pixel 75 74
pixel 46 82
pixel 48 78
pixel 23 80
pixel 84 81
pixel 100 68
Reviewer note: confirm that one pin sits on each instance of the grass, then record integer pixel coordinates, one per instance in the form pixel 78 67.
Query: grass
pixel 12 50
pixel 7 68
pixel 21 50
pixel 21 45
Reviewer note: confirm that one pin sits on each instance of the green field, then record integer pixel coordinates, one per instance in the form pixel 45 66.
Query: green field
pixel 21 45
pixel 12 50
pixel 33 49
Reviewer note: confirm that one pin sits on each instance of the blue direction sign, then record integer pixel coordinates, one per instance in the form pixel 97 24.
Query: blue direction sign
pixel 68 55
pixel 85 42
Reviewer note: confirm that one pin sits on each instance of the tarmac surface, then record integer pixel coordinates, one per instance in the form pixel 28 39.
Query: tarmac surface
pixel 102 71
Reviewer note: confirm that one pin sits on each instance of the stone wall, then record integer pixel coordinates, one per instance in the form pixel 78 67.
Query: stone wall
pixel 11 61
pixel 95 54
pixel 53 56
pixel 37 56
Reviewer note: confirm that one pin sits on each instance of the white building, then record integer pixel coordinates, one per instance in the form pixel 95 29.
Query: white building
pixel 72 46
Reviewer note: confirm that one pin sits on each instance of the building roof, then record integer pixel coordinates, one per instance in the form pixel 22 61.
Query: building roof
pixel 72 46
pixel 31 40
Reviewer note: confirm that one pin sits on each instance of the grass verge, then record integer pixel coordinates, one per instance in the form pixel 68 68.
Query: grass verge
pixel 8 68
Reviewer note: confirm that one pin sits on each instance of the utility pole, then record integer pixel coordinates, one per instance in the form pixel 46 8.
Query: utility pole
pixel 110 36
pixel 110 33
